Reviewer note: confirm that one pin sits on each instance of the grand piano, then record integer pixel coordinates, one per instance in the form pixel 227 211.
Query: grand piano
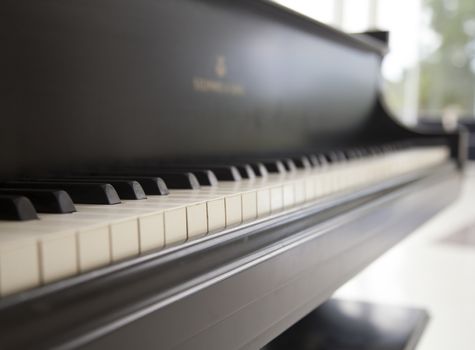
pixel 194 174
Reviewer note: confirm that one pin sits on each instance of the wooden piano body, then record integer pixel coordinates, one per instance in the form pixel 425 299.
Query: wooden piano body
pixel 95 84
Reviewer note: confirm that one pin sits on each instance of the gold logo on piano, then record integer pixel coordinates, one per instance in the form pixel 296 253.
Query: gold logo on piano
pixel 218 86
pixel 220 67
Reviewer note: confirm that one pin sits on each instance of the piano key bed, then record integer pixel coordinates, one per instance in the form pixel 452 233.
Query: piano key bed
pixel 106 226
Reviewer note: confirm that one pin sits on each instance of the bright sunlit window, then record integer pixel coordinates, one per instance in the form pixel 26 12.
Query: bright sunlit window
pixel 430 70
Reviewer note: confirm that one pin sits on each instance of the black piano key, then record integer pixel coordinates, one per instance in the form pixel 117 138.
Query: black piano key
pixel 246 171
pixel 359 153
pixel 336 157
pixel 226 173
pixel 19 208
pixel 126 189
pixel 313 160
pixel 221 172
pixel 318 160
pixel 341 156
pixel 302 162
pixel 352 154
pixel 179 180
pixel 274 166
pixel 259 169
pixel 151 185
pixel 331 157
pixel 175 180
pixel 289 165
pixel 205 177
pixel 81 193
pixel 382 150
pixel 45 201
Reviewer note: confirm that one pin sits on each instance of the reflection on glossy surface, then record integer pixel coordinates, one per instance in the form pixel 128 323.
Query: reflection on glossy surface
pixel 348 325
pixel 434 269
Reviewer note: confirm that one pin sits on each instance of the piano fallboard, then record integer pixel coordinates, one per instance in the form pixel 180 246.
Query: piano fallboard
pixel 95 83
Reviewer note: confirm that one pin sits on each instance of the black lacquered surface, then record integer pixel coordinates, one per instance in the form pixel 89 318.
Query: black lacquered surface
pixel 16 207
pixel 80 192
pixel 97 82
pixel 352 325
pixel 44 201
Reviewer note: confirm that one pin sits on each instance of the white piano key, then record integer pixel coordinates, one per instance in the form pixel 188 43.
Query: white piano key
pixel 124 238
pixel 193 220
pixel 59 246
pixel 94 248
pixel 57 249
pixel 233 210
pixel 211 210
pixel 91 236
pixel 122 231
pixel 207 212
pixel 19 262
pixel 288 195
pixel 234 205
pixel 174 213
pixel 58 256
pixel 299 187
pixel 255 199
pixel 175 226
pixel 330 184
pixel 197 220
pixel 249 205
pixel 216 215
pixel 322 184
pixel 151 232
pixel 310 188
pixel 150 222
pixel 263 202
pixel 262 196
pixel 276 199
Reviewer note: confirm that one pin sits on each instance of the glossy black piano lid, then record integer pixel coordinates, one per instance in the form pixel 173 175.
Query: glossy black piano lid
pixel 96 81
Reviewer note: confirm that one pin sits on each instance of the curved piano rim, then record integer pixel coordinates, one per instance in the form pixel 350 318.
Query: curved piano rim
pixel 190 296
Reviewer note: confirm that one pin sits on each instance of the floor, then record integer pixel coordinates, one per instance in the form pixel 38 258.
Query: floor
pixel 434 268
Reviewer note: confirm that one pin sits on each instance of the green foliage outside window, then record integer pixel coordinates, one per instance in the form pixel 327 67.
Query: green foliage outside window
pixel 446 70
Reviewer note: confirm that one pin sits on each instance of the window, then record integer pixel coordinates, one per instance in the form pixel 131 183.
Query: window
pixel 430 70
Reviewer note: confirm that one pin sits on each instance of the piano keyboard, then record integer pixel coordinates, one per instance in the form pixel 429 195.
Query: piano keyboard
pixel 63 239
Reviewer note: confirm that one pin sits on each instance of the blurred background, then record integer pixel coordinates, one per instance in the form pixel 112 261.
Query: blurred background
pixel 428 79
pixel 430 70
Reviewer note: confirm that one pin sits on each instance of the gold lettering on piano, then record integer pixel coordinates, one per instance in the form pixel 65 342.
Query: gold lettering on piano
pixel 220 67
pixel 218 86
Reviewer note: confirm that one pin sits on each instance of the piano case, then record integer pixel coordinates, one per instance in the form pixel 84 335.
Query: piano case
pixel 95 83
